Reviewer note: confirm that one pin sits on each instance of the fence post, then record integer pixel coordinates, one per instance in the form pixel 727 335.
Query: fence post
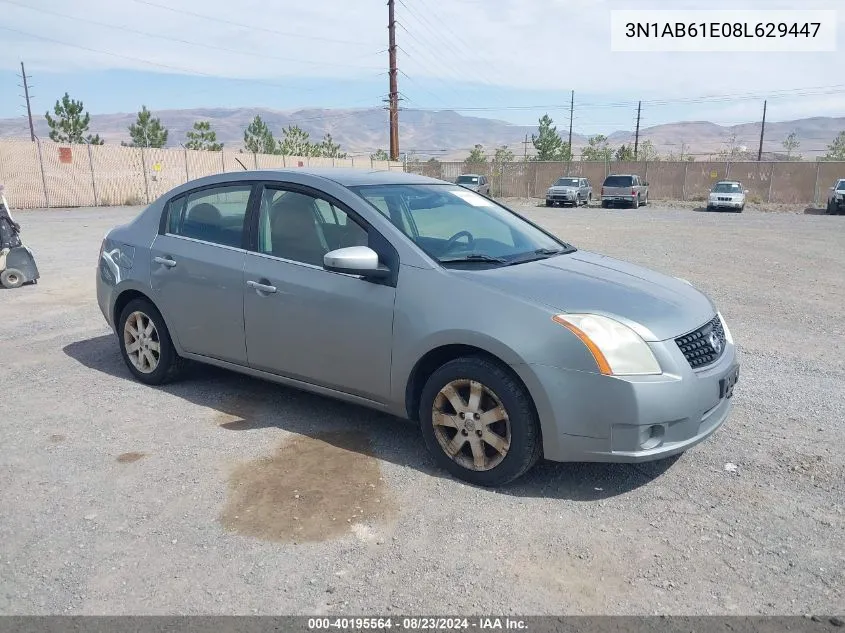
pixel 223 161
pixel 93 182
pixel 816 187
pixel 187 176
pixel 728 170
pixel 146 179
pixel 43 177
pixel 255 159
pixel 684 183
pixel 771 181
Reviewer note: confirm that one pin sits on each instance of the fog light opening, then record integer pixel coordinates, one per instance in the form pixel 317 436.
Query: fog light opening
pixel 652 437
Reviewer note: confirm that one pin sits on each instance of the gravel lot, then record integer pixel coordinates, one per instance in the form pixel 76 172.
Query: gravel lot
pixel 116 498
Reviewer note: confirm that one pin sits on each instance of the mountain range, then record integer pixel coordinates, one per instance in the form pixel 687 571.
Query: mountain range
pixel 449 135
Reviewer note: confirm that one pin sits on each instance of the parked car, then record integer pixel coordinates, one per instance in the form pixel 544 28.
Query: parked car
pixel 836 198
pixel 568 190
pixel 475 182
pixel 624 189
pixel 419 298
pixel 727 194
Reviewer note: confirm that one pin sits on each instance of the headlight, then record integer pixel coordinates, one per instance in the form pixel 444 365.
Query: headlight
pixel 617 349
pixel 728 336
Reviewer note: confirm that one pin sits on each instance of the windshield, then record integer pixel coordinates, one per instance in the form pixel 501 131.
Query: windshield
pixel 840 186
pixel 467 180
pixel 566 182
pixel 618 181
pixel 452 224
pixel 727 187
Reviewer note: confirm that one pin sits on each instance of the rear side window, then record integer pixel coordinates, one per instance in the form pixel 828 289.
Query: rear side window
pixel 618 181
pixel 213 214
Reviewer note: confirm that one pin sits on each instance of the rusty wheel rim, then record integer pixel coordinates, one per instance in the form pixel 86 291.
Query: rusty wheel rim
pixel 471 425
pixel 141 341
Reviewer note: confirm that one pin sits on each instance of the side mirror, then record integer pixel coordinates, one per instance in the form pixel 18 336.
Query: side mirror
pixel 355 260
pixel 745 192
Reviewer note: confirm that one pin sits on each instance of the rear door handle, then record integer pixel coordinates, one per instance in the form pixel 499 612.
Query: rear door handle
pixel 261 287
pixel 164 261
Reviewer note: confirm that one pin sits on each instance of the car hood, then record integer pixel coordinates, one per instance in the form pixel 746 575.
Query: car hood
pixel 563 189
pixel 657 306
pixel 732 196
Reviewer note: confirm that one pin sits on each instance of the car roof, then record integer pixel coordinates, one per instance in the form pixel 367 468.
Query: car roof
pixel 474 175
pixel 346 177
pixel 728 182
pixel 626 175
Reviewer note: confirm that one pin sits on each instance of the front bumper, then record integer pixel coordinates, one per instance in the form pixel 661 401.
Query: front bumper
pixel 589 417
pixel 726 204
pixel 566 198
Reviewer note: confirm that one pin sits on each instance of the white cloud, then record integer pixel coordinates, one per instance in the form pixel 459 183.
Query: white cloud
pixel 514 44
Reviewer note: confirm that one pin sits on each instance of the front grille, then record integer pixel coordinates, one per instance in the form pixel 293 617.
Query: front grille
pixel 697 347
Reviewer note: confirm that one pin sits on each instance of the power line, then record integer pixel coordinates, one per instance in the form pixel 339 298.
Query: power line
pixel 188 42
pixel 250 27
pixel 159 65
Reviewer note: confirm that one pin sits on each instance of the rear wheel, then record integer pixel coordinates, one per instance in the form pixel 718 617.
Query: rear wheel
pixel 11 278
pixel 636 203
pixel 145 344
pixel 479 423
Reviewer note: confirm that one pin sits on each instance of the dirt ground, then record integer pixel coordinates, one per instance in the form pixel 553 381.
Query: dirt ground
pixel 226 495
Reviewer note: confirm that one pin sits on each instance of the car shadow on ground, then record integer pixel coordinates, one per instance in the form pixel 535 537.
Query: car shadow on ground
pixel 243 403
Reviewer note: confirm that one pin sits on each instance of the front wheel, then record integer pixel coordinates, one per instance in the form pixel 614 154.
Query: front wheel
pixel 11 278
pixel 479 422
pixel 145 344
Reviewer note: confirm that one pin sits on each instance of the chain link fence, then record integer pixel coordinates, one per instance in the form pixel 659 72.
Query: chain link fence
pixel 770 182
pixel 47 174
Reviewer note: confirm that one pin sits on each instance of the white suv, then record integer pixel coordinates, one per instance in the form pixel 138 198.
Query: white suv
pixel 836 198
pixel 727 194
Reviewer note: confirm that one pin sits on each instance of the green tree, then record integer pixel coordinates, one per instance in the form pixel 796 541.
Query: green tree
pixel 297 142
pixel 502 156
pixel 647 152
pixel 147 131
pixel 329 149
pixel 476 156
pixel 202 137
pixel 70 123
pixel 625 153
pixel 836 150
pixel 598 149
pixel 258 139
pixel 380 155
pixel 548 143
pixel 790 144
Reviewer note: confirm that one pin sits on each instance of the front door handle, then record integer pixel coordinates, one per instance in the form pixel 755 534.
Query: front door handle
pixel 267 288
pixel 164 261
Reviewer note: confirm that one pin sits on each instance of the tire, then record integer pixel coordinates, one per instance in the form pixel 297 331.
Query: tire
pixel 169 365
pixel 741 209
pixel 604 205
pixel 636 203
pixel 11 278
pixel 645 202
pixel 525 445
pixel 548 203
pixel 709 207
pixel 831 208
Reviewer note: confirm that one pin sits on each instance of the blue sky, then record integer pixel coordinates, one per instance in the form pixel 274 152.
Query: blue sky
pixel 506 59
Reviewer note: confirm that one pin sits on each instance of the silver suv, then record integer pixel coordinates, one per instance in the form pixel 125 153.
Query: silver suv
pixel 474 182
pixel 569 190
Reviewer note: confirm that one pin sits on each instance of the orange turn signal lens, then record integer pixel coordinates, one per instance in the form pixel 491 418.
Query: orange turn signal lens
pixel 601 360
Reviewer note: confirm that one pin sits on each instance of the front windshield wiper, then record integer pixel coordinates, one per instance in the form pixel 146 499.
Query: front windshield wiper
pixel 540 253
pixel 474 257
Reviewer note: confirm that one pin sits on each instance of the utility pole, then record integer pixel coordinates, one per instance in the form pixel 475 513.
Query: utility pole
pixel 637 133
pixel 394 90
pixel 571 109
pixel 28 107
pixel 525 149
pixel 762 131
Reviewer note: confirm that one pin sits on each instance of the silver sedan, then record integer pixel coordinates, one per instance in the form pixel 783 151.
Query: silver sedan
pixel 425 300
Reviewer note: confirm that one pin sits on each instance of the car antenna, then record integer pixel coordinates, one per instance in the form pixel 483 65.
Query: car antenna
pixel 241 164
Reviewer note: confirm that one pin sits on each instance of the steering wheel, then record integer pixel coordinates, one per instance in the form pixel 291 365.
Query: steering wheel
pixel 450 243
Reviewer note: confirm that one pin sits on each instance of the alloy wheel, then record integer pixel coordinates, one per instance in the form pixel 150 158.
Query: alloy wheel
pixel 141 341
pixel 471 425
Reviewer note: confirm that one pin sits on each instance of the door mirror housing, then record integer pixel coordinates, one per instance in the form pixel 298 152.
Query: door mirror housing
pixel 356 260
